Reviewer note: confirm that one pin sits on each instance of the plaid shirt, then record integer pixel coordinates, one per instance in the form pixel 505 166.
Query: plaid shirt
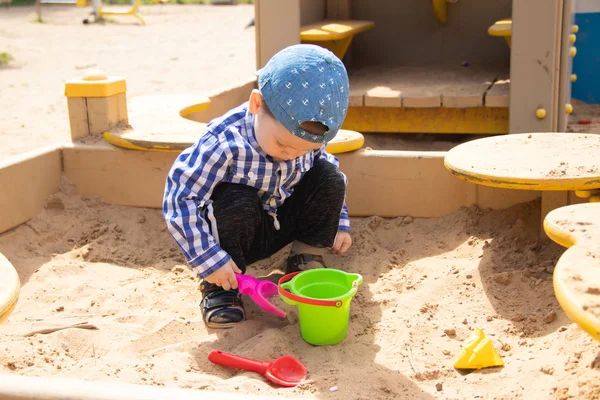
pixel 227 152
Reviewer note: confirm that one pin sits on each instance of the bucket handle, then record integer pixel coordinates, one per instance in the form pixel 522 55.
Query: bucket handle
pixel 305 300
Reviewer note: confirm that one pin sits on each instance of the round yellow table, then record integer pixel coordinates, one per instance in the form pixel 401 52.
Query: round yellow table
pixel 550 162
pixel 535 161
pixel 577 273
pixel 10 286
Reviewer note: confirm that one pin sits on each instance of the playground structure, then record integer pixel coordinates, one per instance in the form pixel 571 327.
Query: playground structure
pixel 484 87
pixel 98 10
pixel 432 67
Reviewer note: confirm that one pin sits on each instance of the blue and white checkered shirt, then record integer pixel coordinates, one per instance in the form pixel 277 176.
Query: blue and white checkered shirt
pixel 227 152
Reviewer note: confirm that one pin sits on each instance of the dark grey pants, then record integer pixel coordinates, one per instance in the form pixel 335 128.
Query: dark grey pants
pixel 310 215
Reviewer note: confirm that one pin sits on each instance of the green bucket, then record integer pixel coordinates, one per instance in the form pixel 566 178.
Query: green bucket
pixel 323 298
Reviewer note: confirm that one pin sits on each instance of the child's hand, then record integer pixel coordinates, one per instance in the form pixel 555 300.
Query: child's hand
pixel 225 276
pixel 343 241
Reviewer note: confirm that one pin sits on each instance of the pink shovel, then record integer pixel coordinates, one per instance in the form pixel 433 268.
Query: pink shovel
pixel 259 291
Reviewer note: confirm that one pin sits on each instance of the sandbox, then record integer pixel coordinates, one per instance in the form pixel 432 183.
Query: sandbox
pixel 428 283
pixel 447 256
pixel 106 298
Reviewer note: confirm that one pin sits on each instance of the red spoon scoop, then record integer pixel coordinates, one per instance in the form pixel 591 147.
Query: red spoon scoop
pixel 285 371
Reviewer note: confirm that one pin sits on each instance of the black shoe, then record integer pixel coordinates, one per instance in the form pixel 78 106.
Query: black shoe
pixel 221 308
pixel 303 262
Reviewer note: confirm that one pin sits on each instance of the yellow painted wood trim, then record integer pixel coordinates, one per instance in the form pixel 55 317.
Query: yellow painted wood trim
pixel 100 88
pixel 489 120
pixel 440 10
pixel 333 30
pixel 10 287
pixel 501 28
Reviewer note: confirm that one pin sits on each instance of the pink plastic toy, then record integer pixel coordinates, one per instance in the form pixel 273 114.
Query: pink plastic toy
pixel 259 291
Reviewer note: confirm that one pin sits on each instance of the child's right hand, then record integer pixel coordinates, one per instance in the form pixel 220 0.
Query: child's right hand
pixel 225 276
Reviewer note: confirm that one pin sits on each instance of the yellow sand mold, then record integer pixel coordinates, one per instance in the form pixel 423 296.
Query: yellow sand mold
pixel 478 352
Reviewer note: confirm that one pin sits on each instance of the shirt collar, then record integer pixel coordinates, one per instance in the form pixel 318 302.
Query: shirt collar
pixel 249 128
pixel 251 136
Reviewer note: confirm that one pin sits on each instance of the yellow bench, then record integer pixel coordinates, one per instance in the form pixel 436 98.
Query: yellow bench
pixel 577 274
pixel 133 11
pixel 335 36
pixel 502 28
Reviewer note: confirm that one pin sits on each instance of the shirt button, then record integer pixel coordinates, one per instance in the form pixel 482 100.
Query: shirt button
pixel 251 174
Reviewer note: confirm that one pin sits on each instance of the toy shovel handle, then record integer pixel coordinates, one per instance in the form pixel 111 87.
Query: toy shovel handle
pixel 233 361
pixel 246 284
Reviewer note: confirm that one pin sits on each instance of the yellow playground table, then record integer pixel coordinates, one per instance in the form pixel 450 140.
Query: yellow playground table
pixel 550 162
pixel 547 162
pixel 534 161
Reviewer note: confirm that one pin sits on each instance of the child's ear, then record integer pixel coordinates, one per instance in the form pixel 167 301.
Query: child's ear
pixel 255 102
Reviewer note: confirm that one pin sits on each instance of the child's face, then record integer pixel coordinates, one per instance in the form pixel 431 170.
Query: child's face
pixel 273 138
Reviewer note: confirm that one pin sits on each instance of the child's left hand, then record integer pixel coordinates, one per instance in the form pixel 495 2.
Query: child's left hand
pixel 343 241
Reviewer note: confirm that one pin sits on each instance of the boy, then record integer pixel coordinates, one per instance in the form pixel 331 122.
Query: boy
pixel 260 178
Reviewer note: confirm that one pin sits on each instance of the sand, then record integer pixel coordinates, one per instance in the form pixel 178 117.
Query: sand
pixel 191 49
pixel 427 282
pixel 215 52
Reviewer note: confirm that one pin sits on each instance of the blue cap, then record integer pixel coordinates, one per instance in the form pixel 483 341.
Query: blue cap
pixel 306 82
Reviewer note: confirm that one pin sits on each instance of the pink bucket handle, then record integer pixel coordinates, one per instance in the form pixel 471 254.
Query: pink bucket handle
pixel 302 299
